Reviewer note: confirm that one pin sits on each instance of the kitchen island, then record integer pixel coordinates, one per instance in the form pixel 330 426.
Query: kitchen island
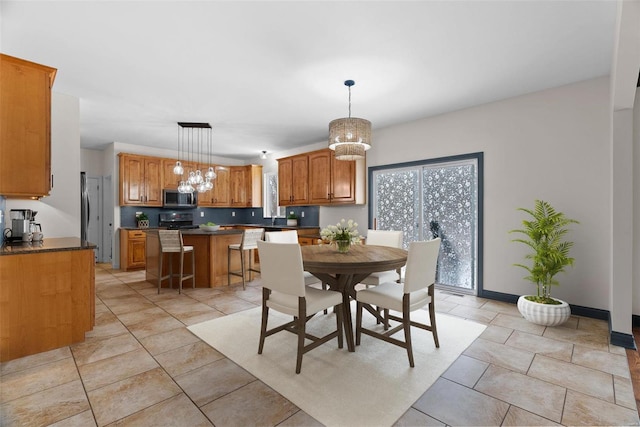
pixel 210 251
pixel 47 295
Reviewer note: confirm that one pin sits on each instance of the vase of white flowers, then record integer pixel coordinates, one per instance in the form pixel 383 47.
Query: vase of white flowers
pixel 344 234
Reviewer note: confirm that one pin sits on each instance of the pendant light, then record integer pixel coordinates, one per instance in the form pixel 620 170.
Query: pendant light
pixel 191 138
pixel 350 136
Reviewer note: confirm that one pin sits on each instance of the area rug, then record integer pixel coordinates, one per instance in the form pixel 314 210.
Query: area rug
pixel 374 386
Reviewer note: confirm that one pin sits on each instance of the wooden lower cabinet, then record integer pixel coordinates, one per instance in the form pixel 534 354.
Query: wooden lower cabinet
pixel 132 249
pixel 47 301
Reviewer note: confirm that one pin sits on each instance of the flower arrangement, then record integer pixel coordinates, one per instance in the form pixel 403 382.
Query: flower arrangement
pixel 344 230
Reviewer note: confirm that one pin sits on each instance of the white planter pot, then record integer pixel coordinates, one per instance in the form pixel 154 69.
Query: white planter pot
pixel 544 314
pixel 292 222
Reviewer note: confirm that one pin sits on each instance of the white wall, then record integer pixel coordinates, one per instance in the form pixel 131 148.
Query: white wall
pixel 59 213
pixel 636 204
pixel 551 145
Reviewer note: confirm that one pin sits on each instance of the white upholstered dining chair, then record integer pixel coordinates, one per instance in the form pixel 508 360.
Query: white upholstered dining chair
pixel 416 292
pixel 283 290
pixel 171 243
pixel 290 236
pixel 383 238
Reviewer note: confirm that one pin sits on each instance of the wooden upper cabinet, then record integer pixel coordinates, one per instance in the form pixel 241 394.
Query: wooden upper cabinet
pixel 246 186
pixel 140 180
pixel 170 179
pixel 239 195
pixel 331 181
pixel 254 186
pixel 343 180
pixel 293 180
pixel 319 177
pixel 25 133
pixel 218 196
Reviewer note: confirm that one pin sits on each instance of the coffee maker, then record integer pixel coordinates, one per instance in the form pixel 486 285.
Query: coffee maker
pixel 21 220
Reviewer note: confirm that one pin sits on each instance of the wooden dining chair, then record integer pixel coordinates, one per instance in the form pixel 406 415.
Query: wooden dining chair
pixel 416 292
pixel 290 236
pixel 170 243
pixel 247 244
pixel 383 238
pixel 283 290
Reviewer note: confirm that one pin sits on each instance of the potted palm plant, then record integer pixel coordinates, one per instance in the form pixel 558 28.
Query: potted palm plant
pixel 544 233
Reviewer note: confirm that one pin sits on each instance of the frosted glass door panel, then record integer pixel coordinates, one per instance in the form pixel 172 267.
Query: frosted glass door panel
pixel 434 199
pixel 450 211
pixel 397 200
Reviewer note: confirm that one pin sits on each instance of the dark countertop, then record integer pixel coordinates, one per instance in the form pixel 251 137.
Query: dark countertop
pixel 199 232
pixel 53 244
pixel 266 227
pixel 278 227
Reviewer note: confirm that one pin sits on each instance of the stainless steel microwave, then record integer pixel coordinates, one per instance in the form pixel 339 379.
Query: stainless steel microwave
pixel 176 200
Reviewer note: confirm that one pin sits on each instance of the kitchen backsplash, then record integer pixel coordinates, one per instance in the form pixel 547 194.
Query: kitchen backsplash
pixel 222 215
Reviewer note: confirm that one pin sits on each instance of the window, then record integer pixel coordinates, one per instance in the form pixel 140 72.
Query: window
pixel 435 198
pixel 271 208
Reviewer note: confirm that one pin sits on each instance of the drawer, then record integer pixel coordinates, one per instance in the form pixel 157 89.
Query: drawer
pixel 136 234
pixel 304 240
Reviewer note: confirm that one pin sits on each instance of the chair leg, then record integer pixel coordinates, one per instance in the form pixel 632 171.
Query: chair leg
pixel 324 288
pixel 406 323
pixel 358 322
pixel 434 330
pixel 181 273
pixel 160 272
pixel 242 268
pixel 193 268
pixel 170 270
pixel 339 321
pixel 407 336
pixel 301 320
pixel 250 268
pixel 228 266
pixel 265 315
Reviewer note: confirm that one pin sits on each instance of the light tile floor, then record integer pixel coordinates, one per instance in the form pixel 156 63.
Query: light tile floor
pixel 140 366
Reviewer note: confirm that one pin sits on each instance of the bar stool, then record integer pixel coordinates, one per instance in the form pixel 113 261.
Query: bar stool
pixel 248 243
pixel 171 243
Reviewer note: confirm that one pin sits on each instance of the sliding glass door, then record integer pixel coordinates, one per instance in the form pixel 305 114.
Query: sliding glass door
pixel 434 198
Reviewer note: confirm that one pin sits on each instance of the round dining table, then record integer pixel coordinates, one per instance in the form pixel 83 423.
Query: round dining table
pixel 343 271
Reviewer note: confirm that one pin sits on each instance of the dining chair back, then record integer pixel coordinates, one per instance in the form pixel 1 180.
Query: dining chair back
pixel 248 244
pixel 171 242
pixel 417 292
pixel 290 236
pixel 284 290
pixel 390 238
pixel 286 236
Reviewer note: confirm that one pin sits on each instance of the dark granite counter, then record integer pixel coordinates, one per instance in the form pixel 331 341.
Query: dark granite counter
pixel 46 245
pixel 277 227
pixel 199 232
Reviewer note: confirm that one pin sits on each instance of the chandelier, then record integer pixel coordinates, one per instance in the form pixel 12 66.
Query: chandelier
pixel 193 139
pixel 350 136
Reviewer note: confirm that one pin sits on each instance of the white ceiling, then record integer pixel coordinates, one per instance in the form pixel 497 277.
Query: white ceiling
pixel 268 75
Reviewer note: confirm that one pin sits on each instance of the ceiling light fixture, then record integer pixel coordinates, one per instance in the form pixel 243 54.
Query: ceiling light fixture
pixel 350 136
pixel 263 156
pixel 193 138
